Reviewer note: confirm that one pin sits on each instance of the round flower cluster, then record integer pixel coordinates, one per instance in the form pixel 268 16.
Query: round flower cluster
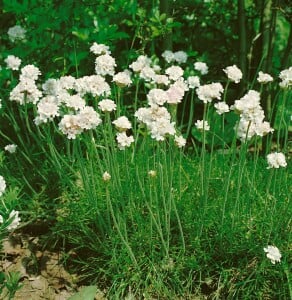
pixel 276 160
pixel 86 119
pixel 233 73
pixel 12 62
pixel 264 77
pixel 252 116
pixel 201 67
pixel 26 90
pixel 10 148
pixel 208 92
pixel 202 125
pixel 179 56
pixel 122 123
pixel 123 79
pixel 221 108
pixel 13 220
pixel 286 77
pixel 16 33
pixel 273 253
pixel 107 105
pixel 157 120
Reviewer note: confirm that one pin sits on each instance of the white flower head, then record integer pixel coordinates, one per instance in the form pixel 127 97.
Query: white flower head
pixel 264 77
pixel 211 91
pixel 2 185
pixel 168 56
pixel 221 108
pixel 16 33
pixel 12 62
pixel 193 82
pixel 273 254
pixel 276 160
pixel 107 105
pixel 286 77
pixel 157 97
pixel 105 65
pixel 174 72
pixel 15 220
pixel 29 72
pixel 123 79
pixel 152 173
pixel 122 123
pixel 202 125
pixel 201 67
pixel 124 140
pixel 99 49
pixel 47 109
pixel 233 73
pixel 10 148
pixel 180 57
pixel 106 176
pixel 180 141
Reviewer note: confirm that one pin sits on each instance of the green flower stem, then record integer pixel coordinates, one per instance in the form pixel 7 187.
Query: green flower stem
pixel 124 241
pixel 190 122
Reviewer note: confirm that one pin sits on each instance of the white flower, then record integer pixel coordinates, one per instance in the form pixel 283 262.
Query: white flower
pixel 70 126
pixel 273 254
pixel 15 220
pixel 221 108
pixel 141 62
pixel 264 77
pixel 168 56
pixel 123 79
pixel 276 160
pixel 180 141
pixel 180 57
pixel 67 82
pixel 99 49
pixel 29 72
pixel 10 148
pixel 286 77
pixel 94 85
pixel 105 65
pixel 106 176
pixel 174 72
pixel 161 79
pixel 176 91
pixel 233 73
pixel 107 105
pixel 202 125
pixel 124 140
pixel 193 82
pixel 74 101
pixel 26 91
pixel 208 92
pixel 157 97
pixel 152 173
pixel 2 185
pixel 88 118
pixel 201 67
pixel 147 73
pixel 122 123
pixel 16 33
pixel 12 62
pixel 47 109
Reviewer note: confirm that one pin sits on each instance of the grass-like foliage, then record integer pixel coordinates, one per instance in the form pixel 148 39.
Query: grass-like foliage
pixel 155 182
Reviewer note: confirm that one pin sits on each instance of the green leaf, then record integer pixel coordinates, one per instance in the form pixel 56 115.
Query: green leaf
pixel 87 293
